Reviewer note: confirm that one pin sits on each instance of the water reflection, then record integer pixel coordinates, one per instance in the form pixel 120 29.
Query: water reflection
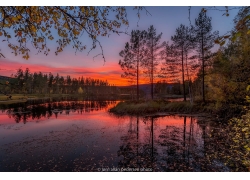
pixel 175 147
pixel 91 139
pixel 137 149
pixel 47 110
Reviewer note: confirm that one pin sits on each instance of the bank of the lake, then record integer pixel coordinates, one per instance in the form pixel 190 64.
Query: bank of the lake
pixel 162 106
pixel 19 98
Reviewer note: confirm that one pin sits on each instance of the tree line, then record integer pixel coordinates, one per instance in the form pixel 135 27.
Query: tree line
pixel 39 83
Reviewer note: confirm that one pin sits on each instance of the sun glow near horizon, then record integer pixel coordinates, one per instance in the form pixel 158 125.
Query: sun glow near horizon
pixel 111 72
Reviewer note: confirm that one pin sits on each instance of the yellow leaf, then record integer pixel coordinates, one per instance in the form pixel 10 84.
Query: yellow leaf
pixel 222 43
pixel 248 87
pixel 66 25
pixel 33 28
pixel 83 9
pixel 96 26
pixel 43 29
pixel 87 12
pixel 248 32
pixel 14 18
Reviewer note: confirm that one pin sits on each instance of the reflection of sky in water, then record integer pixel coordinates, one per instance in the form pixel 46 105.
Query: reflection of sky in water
pixel 90 140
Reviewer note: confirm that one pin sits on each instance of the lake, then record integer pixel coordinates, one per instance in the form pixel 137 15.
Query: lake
pixel 70 135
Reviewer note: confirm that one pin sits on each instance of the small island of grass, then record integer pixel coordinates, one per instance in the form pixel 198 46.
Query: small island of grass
pixel 152 106
pixel 162 106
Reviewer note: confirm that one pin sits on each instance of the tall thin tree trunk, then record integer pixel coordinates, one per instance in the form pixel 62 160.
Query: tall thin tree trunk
pixel 183 79
pixel 152 72
pixel 189 83
pixel 137 72
pixel 203 71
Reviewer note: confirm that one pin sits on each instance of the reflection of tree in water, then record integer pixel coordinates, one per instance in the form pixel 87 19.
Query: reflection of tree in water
pixel 128 149
pixel 177 147
pixel 134 152
pixel 48 109
pixel 185 148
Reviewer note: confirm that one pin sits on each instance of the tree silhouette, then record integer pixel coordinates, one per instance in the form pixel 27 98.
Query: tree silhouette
pixel 133 55
pixel 153 45
pixel 39 83
pixel 169 68
pixel 183 42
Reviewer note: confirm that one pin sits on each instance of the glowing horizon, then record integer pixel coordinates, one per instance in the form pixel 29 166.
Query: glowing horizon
pixel 9 68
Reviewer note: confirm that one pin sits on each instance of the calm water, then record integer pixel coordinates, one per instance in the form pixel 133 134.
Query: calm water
pixel 84 136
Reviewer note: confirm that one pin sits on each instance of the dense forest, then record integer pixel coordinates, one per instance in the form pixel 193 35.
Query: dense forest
pixel 38 83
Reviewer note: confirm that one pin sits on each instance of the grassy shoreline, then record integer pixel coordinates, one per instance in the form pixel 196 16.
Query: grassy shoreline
pixel 16 98
pixel 143 108
pixel 149 107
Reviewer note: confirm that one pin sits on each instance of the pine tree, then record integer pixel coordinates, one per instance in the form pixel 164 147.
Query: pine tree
pixel 153 45
pixel 133 54
pixel 183 42
pixel 204 42
pixel 169 68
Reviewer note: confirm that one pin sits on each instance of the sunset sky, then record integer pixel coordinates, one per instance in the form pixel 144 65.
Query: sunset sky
pixel 165 19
